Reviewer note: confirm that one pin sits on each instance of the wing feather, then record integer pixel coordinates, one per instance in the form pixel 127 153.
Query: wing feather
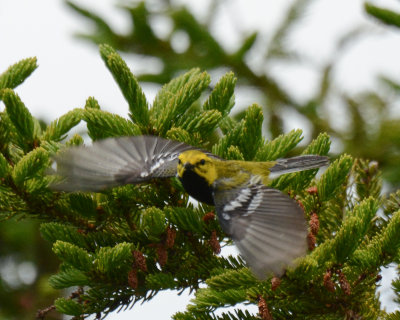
pixel 271 235
pixel 117 161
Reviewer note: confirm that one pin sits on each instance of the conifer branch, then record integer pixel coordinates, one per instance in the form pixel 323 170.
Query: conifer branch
pixel 17 74
pixel 129 86
pixel 58 129
pixel 20 117
pixel 386 16
pixel 125 245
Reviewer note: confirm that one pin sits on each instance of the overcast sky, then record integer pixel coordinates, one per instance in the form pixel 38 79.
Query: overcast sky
pixel 70 70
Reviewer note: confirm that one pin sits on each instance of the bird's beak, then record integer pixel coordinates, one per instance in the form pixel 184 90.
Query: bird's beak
pixel 188 166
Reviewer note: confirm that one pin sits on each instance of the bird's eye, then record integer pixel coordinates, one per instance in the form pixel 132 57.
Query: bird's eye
pixel 202 161
pixel 179 161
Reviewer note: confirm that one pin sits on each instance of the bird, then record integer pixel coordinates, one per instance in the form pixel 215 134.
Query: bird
pixel 268 227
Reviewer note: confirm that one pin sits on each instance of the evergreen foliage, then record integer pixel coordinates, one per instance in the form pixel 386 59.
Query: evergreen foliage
pixel 384 15
pixel 125 245
pixel 17 73
pixel 361 137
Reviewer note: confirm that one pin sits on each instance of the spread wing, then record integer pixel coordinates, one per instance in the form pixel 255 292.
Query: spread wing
pixel 267 226
pixel 117 161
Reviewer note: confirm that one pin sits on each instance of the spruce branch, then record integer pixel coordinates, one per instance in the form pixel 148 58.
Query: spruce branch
pixel 202 123
pixel 175 98
pixel 4 166
pixel 334 177
pixel 101 25
pixel 17 74
pixel 353 230
pixel 381 248
pixel 386 16
pixel 248 129
pixel 129 86
pixel 69 307
pixel 30 166
pixel 20 117
pixel 222 97
pixel 102 124
pixel 68 278
pixel 367 177
pixel 58 129
pixel 54 231
pixel 73 255
pixel 277 148
pixel 127 244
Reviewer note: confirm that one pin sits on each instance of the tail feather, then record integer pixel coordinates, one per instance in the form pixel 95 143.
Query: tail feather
pixel 299 163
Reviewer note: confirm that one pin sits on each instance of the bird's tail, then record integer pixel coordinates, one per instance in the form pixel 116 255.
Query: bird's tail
pixel 299 163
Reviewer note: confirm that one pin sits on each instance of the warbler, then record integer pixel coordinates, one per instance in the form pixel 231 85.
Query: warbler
pixel 267 226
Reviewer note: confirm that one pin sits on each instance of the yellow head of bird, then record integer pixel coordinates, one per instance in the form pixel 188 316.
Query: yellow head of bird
pixel 199 163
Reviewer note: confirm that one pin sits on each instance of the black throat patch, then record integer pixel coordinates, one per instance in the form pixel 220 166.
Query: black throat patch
pixel 197 187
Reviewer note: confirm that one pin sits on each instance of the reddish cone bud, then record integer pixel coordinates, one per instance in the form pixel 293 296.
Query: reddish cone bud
pixel 139 260
pixel 208 216
pixel 132 279
pixel 275 283
pixel 171 235
pixel 328 283
pixel 344 284
pixel 312 190
pixel 214 243
pixel 311 240
pixel 314 223
pixel 162 255
pixel 263 309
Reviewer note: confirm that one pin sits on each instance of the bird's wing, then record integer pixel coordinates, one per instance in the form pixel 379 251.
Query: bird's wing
pixel 267 226
pixel 117 161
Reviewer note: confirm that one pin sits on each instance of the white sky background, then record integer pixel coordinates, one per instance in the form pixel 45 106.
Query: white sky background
pixel 71 70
